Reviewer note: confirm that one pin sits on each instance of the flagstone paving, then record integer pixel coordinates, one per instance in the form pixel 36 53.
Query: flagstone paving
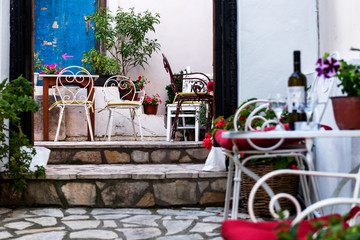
pixel 106 223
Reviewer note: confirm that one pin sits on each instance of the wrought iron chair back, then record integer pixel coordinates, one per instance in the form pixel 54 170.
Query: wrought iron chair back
pixel 122 93
pixel 198 92
pixel 74 87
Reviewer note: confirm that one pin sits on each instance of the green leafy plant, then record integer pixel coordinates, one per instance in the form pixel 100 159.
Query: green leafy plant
pixel 15 99
pixel 333 229
pixel 124 37
pixel 99 63
pixel 37 61
pixel 349 75
pixel 169 90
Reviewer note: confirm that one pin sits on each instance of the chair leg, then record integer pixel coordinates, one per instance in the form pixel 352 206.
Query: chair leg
pixel 107 125
pixel 174 127
pixel 168 124
pixel 89 123
pixel 228 189
pixel 59 123
pixel 140 126
pixel 236 193
pixel 110 124
pixel 197 125
pixel 132 116
pixel 183 124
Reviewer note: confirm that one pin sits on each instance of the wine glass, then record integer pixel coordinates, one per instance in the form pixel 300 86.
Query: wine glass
pixel 277 104
pixel 310 105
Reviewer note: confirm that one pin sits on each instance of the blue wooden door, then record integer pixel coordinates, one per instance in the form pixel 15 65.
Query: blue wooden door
pixel 61 34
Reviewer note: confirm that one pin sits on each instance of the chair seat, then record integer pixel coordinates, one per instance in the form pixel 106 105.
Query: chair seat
pixel 246 230
pixel 75 102
pixel 125 103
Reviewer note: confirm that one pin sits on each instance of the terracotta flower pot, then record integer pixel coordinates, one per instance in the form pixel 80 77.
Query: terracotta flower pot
pixel 150 109
pixel 346 112
pixel 129 96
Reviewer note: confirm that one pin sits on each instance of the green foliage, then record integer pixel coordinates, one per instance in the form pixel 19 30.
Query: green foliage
pixel 16 98
pixel 124 38
pixel 37 61
pixel 170 92
pixel 349 76
pixel 331 230
pixel 99 63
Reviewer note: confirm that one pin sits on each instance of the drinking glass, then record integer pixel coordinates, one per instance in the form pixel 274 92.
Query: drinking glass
pixel 310 105
pixel 277 104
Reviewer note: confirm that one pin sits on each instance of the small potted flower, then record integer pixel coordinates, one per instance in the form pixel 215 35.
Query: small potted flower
pixel 139 85
pixel 151 103
pixel 346 108
pixel 50 69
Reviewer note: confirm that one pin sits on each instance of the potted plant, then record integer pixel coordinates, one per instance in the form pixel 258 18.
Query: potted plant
pixel 346 108
pixel 139 85
pixel 16 98
pixel 124 39
pixel 151 104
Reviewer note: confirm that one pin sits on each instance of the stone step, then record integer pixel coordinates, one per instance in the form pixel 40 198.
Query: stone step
pixel 120 185
pixel 125 152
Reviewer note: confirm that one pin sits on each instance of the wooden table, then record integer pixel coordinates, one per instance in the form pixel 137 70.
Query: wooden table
pixel 49 81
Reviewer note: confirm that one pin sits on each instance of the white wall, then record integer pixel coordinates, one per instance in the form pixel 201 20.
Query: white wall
pixel 185 34
pixel 4 49
pixel 269 32
pixel 339 27
pixel 4 39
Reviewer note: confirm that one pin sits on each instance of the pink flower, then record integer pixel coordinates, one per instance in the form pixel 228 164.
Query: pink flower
pixel 57 72
pixel 42 72
pixel 148 99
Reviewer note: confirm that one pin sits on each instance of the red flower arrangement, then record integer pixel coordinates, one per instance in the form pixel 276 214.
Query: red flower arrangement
pixel 154 100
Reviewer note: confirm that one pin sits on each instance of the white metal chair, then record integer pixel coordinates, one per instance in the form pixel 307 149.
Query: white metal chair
pixel 188 110
pixel 232 229
pixel 74 88
pixel 116 98
pixel 257 149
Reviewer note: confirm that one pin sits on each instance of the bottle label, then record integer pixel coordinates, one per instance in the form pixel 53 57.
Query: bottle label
pixel 296 98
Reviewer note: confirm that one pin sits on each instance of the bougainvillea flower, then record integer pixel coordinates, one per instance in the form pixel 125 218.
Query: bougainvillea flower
pixel 208 135
pixel 207 142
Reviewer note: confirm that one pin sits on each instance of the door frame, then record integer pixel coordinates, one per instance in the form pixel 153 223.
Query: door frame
pixel 224 57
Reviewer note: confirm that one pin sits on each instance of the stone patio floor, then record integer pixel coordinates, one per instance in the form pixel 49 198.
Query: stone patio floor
pixel 107 223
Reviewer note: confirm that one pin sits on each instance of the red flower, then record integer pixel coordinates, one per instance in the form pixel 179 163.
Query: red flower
pixel 207 142
pixel 208 135
pixel 294 166
pixel 139 77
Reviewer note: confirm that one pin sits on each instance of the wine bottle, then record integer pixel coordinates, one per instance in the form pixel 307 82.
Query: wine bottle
pixel 296 93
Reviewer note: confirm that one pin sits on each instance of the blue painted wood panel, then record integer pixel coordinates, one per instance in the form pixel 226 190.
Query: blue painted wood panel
pixel 60 29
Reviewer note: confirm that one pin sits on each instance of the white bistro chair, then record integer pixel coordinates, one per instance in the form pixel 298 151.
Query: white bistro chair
pixel 70 91
pixel 117 99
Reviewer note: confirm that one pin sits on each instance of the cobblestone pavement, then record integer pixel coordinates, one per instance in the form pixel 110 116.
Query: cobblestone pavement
pixel 107 223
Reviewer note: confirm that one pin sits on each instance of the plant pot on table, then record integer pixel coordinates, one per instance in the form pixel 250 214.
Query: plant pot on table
pixel 150 109
pixel 346 112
